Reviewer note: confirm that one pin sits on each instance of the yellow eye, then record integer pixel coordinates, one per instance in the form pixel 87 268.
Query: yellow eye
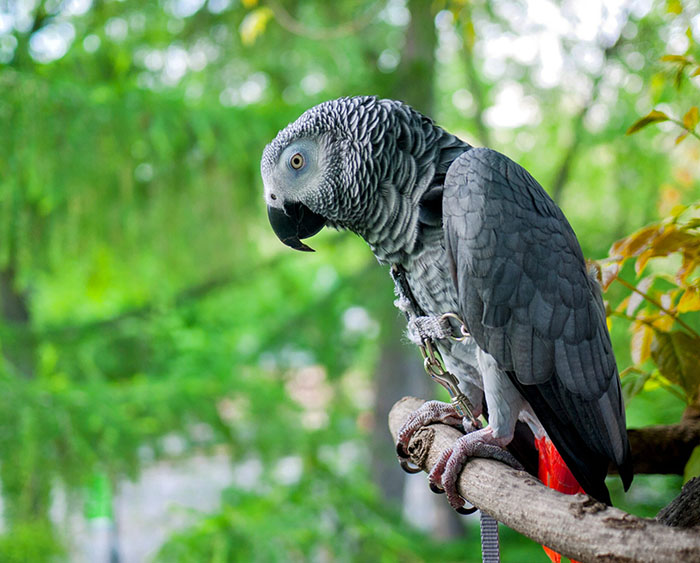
pixel 297 161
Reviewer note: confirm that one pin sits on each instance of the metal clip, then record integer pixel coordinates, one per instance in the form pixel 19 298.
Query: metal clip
pixel 462 327
pixel 432 362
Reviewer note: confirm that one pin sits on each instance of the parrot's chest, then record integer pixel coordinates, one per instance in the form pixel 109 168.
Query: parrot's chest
pixel 430 283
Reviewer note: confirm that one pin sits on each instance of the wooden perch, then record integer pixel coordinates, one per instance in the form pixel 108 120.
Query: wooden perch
pixel 575 525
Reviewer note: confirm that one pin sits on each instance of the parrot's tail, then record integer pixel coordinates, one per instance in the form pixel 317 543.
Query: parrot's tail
pixel 554 473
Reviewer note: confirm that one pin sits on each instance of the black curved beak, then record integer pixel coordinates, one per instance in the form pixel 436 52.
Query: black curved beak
pixel 293 223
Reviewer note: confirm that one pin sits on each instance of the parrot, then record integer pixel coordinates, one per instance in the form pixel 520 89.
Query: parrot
pixel 475 236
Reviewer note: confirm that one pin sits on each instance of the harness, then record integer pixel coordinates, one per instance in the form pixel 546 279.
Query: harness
pixel 423 331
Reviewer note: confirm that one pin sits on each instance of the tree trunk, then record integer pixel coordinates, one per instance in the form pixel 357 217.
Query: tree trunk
pixel 400 370
pixel 416 72
pixel 19 346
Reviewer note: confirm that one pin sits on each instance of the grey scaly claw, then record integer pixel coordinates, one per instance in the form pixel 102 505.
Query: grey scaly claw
pixel 445 473
pixel 429 412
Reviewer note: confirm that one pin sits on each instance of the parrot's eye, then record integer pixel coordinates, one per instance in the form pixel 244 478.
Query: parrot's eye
pixel 297 161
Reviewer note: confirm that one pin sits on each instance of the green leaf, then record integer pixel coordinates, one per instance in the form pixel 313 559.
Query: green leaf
pixel 677 355
pixel 674 7
pixel 469 34
pixel 632 384
pixel 689 301
pixel 692 468
pixel 680 59
pixel 690 119
pixel 654 116
pixel 678 78
pixel 254 24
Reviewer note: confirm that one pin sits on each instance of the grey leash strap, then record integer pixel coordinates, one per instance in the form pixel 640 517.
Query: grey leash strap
pixel 490 551
pixel 423 330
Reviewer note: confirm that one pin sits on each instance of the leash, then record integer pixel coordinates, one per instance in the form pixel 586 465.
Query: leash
pixel 424 330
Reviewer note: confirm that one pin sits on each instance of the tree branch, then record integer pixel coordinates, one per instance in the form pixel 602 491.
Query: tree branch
pixel 575 525
pixel 663 449
pixel 296 27
pixel 684 510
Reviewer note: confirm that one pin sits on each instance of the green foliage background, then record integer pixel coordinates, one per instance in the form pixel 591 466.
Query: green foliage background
pixel 143 294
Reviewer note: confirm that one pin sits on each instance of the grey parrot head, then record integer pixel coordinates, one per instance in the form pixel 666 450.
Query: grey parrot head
pixel 313 169
pixel 359 163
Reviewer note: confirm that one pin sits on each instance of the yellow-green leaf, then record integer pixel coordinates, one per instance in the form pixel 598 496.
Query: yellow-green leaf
pixel 667 240
pixel 469 34
pixel 674 7
pixel 692 468
pixel 654 116
pixel 622 305
pixel 696 72
pixel 677 210
pixel 677 355
pixel 681 137
pixel 690 119
pixel 640 344
pixel 608 273
pixel 678 77
pixel 691 260
pixel 636 299
pixel 254 24
pixel 635 243
pixel 690 300
pixel 641 262
pixel 674 59
pixel 663 322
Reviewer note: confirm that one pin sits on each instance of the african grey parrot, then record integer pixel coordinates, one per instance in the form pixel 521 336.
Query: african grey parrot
pixel 478 237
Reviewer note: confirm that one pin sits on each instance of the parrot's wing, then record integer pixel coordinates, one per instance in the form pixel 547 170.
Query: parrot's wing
pixel 527 300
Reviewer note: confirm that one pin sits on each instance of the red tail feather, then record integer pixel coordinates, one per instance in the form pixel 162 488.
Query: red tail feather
pixel 554 473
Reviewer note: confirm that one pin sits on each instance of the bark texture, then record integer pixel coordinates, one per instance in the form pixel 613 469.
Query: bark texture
pixel 575 525
pixel 684 510
pixel 663 449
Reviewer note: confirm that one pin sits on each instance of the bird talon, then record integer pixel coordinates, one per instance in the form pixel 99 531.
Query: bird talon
pixel 428 413
pixel 407 467
pixel 464 510
pixel 401 451
pixel 437 490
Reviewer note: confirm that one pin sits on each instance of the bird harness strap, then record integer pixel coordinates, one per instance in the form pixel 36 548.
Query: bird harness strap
pixel 424 330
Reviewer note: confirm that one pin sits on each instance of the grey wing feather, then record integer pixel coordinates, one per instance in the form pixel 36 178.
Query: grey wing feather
pixel 528 300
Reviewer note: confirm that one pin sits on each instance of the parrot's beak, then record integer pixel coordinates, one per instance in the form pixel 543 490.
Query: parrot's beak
pixel 294 222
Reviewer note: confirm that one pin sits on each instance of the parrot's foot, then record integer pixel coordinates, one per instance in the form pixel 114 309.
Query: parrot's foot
pixel 428 413
pixel 445 473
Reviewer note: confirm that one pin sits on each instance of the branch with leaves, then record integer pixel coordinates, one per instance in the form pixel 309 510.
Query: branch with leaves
pixel 665 342
pixel 683 64
pixel 688 123
pixel 662 302
pixel 257 19
pixel 574 525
